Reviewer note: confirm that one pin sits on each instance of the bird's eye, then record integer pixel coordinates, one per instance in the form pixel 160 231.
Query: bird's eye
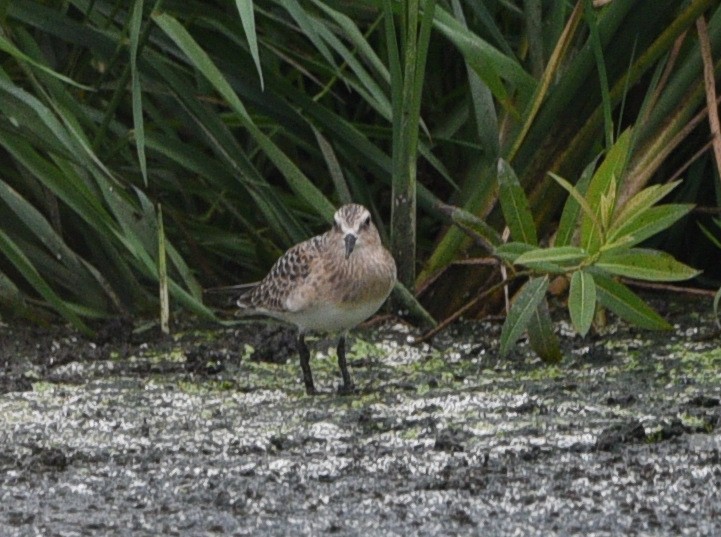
pixel 336 226
pixel 366 222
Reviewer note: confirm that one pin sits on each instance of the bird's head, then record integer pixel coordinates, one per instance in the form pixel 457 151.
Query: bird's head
pixel 353 223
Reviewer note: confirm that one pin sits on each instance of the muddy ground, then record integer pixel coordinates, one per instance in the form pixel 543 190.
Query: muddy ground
pixel 209 432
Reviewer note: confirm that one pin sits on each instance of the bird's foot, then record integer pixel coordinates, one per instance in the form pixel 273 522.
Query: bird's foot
pixel 347 389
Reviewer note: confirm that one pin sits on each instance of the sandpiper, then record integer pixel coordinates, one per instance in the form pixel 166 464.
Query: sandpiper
pixel 329 283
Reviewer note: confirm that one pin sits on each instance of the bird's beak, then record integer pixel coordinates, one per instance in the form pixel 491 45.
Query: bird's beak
pixel 349 244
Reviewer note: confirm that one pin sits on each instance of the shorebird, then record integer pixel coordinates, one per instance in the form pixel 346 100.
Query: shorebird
pixel 329 283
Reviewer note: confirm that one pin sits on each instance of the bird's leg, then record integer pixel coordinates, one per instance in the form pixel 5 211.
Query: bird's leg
pixel 305 365
pixel 347 386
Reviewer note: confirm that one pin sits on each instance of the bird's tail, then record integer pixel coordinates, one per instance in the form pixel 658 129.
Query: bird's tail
pixel 235 295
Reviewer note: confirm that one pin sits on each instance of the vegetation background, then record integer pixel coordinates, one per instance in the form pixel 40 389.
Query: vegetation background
pixel 196 140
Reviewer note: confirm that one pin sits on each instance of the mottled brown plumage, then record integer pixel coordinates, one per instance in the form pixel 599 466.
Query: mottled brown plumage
pixel 329 283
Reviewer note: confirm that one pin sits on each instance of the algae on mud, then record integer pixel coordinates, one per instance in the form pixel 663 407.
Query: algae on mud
pixel 193 435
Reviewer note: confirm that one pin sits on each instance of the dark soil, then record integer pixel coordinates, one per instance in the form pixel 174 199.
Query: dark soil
pixel 209 432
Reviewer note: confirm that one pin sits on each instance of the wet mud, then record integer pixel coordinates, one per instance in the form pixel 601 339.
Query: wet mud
pixel 209 432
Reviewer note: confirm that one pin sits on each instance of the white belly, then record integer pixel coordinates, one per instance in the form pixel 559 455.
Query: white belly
pixel 330 318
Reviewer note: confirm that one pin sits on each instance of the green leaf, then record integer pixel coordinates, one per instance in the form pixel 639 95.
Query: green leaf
pixel 247 18
pixel 525 304
pixel 488 62
pixel 568 222
pixel 514 205
pixel 512 250
pixel 645 264
pixel 16 256
pixel 623 302
pixel 309 28
pixel 334 167
pixel 474 225
pixel 563 255
pixel 648 222
pixel 710 236
pixel 578 198
pixel 482 102
pixel 21 57
pixel 541 337
pixel 640 203
pixel 136 19
pixel 297 181
pixel 582 301
pixel 603 180
pixel 608 203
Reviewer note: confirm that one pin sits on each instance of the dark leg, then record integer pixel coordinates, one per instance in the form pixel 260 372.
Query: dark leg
pixel 348 386
pixel 305 365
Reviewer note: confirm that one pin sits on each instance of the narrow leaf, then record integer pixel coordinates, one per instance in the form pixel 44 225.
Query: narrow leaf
pixel 644 264
pixel 482 102
pixel 525 304
pixel 136 19
pixel 568 222
pixel 649 222
pixel 473 225
pixel 247 18
pixel 15 255
pixel 562 255
pixel 582 301
pixel 514 205
pixel 334 167
pixel 611 168
pixel 627 305
pixel 541 337
pixel 297 181
pixel 12 50
pixel 578 197
pixel 641 202
pixel 512 250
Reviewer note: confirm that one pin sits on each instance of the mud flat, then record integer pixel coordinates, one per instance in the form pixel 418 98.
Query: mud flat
pixel 209 433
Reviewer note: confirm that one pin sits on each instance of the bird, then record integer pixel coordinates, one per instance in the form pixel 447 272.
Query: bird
pixel 329 283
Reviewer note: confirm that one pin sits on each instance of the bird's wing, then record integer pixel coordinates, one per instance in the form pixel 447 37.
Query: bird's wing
pixel 287 277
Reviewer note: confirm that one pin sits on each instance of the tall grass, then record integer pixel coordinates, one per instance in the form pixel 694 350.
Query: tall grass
pixel 250 121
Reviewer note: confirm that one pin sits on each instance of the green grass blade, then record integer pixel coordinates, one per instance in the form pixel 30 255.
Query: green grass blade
pixel 590 16
pixel 297 181
pixel 309 29
pixel 247 18
pixel 7 47
pixel 334 167
pixel 16 256
pixel 135 22
pixel 483 106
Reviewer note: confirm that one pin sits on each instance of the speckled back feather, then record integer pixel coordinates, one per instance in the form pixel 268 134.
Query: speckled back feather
pixel 290 268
